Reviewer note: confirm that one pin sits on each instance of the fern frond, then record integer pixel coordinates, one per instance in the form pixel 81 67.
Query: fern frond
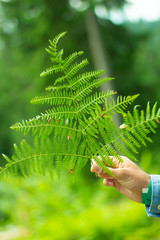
pixel 129 139
pixel 70 59
pixel 55 98
pixel 53 47
pixel 140 125
pixel 85 90
pixel 56 56
pixel 61 97
pixel 48 121
pixel 51 70
pixel 63 65
pixel 69 73
pixel 79 80
pixel 43 126
pixel 39 160
pixel 120 104
pixel 92 101
pixel 74 111
pixel 57 88
pixel 84 78
pixel 78 128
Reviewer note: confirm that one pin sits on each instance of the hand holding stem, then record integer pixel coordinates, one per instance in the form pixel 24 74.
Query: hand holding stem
pixel 129 178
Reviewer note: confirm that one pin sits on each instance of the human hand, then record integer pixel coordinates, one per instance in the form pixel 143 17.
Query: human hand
pixel 128 178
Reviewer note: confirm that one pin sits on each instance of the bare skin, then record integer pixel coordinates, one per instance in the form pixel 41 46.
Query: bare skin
pixel 129 178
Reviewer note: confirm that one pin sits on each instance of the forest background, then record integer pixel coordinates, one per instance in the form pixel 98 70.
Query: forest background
pixel 38 208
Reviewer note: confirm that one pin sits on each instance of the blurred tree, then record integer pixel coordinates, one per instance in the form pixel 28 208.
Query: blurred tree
pixel 99 56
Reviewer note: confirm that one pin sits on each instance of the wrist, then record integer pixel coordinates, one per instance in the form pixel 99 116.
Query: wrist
pixel 147 178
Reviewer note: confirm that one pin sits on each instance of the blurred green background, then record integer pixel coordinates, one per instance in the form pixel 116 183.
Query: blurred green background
pixel 37 208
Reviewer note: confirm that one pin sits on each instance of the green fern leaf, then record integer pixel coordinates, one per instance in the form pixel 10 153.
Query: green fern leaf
pixel 78 128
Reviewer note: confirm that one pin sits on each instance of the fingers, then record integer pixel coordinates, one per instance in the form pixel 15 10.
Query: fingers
pixel 95 168
pixel 113 162
pixel 109 182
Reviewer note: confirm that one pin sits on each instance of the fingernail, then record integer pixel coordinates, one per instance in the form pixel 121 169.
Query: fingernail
pixel 110 182
pixel 93 162
pixel 96 168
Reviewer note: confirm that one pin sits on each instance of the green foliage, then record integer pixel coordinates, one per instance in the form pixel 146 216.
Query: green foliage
pixel 78 127
pixel 38 208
